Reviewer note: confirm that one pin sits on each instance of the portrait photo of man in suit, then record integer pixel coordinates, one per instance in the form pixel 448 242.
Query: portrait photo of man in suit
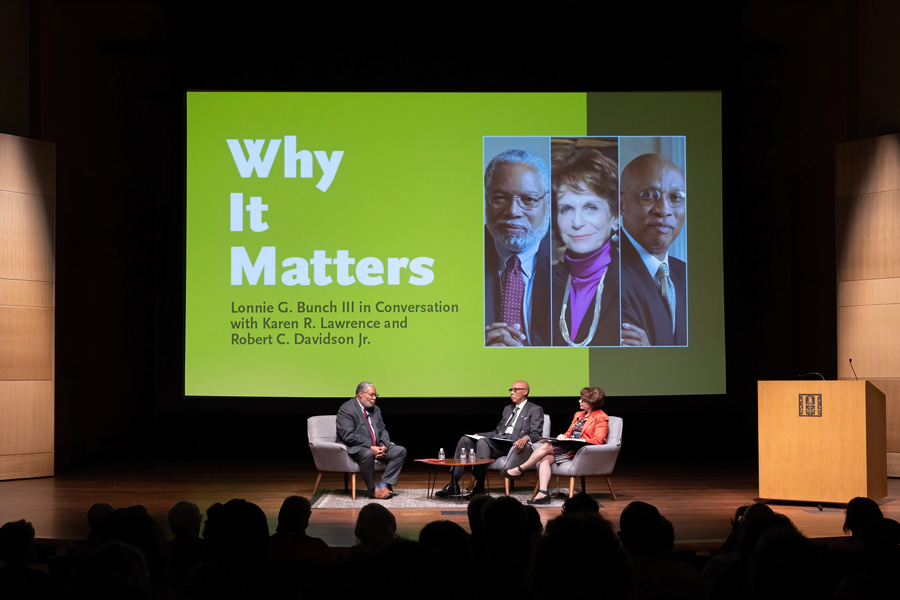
pixel 361 428
pixel 517 250
pixel 653 203
pixel 522 423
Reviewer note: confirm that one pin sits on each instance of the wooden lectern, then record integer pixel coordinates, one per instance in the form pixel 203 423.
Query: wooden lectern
pixel 821 441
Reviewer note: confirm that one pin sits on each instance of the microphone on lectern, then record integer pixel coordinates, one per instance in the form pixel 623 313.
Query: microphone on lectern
pixel 852 369
pixel 822 377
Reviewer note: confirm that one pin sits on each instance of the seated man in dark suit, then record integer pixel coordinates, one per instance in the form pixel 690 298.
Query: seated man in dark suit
pixel 522 422
pixel 517 250
pixel 361 428
pixel 654 284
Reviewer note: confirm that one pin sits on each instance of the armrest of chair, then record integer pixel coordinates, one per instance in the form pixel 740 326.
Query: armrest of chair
pixel 331 456
pixel 596 459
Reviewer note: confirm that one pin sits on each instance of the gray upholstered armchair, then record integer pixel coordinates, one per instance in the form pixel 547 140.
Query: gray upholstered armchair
pixel 329 454
pixel 502 462
pixel 593 460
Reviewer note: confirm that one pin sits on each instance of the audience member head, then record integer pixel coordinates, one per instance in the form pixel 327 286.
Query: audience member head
pixel 580 502
pixel 294 515
pixel 475 512
pixel 533 526
pixel 376 526
pixel 133 526
pixel 758 518
pixel 213 514
pixel 113 570
pixel 881 541
pixel 97 514
pixel 860 512
pixel 505 523
pixel 17 542
pixel 644 531
pixel 444 538
pixel 785 564
pixel 739 516
pixel 589 537
pixel 237 531
pixel 185 519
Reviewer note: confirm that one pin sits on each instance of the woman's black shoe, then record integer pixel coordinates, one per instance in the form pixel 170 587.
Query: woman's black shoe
pixel 545 500
pixel 509 475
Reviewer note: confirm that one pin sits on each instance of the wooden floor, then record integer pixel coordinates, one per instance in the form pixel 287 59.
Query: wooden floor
pixel 698 500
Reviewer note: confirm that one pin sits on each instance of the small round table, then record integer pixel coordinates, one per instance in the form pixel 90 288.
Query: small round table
pixel 448 462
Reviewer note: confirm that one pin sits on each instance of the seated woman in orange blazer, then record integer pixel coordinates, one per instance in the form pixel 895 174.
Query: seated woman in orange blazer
pixel 590 424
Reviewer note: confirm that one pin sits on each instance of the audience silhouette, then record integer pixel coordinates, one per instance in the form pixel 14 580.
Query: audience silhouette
pixel 765 556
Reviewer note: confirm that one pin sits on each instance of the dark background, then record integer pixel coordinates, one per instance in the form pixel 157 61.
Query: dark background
pixel 105 82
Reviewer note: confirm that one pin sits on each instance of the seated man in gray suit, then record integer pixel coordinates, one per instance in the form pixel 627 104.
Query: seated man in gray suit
pixel 522 422
pixel 361 428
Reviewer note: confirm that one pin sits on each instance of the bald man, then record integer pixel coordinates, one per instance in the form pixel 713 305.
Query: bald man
pixel 522 422
pixel 654 284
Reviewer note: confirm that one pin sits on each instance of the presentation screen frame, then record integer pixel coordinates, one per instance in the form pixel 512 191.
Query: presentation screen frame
pixel 340 237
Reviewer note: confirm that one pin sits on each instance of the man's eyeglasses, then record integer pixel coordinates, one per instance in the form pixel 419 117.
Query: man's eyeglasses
pixel 518 389
pixel 651 196
pixel 525 202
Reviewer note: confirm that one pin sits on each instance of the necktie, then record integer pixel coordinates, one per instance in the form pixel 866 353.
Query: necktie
pixel 667 290
pixel 369 423
pixel 512 420
pixel 512 293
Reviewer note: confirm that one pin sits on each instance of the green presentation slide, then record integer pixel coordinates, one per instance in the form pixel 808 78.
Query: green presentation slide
pixel 338 237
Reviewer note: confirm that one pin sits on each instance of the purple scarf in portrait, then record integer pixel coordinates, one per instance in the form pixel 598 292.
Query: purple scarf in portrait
pixel 586 272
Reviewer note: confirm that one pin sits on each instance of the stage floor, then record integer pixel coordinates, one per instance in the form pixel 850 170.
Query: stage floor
pixel 698 500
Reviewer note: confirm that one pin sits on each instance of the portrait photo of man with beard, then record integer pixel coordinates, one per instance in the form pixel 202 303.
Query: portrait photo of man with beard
pixel 517 247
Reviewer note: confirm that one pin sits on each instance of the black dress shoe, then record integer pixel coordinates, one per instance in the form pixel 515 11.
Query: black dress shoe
pixel 448 491
pixel 478 489
pixel 545 500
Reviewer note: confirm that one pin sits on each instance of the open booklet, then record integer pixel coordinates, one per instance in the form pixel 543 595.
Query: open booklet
pixel 564 442
pixel 475 436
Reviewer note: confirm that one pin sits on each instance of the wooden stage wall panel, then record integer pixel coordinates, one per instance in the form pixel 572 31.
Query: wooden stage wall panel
pixel 867 292
pixel 37 294
pixel 27 166
pixel 26 352
pixel 26 244
pixel 27 306
pixel 21 466
pixel 869 236
pixel 874 354
pixel 867 209
pixel 29 404
pixel 867 166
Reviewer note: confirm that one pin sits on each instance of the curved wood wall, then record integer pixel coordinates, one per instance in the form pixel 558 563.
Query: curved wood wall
pixel 868 272
pixel 27 306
